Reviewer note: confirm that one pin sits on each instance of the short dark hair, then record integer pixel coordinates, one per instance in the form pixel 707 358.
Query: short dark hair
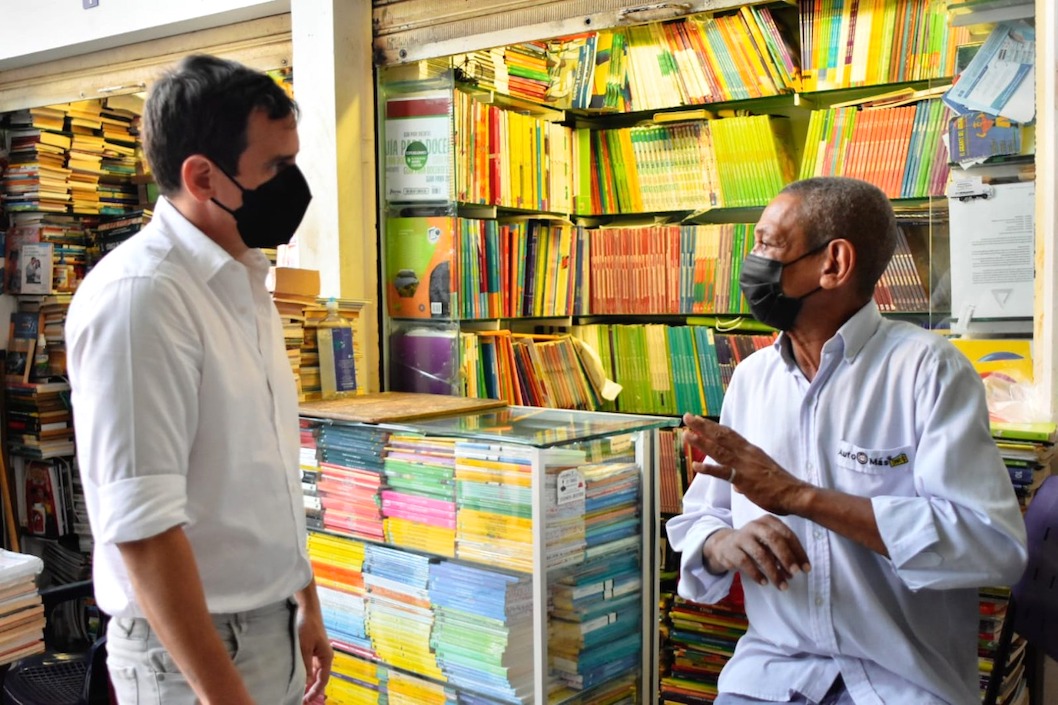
pixel 833 207
pixel 203 107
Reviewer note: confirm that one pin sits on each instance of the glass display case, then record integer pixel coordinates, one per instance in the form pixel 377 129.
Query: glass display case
pixel 502 556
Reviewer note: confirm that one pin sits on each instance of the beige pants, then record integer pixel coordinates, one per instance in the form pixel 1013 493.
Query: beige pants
pixel 262 643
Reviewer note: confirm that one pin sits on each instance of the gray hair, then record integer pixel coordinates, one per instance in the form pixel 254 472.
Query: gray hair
pixel 833 207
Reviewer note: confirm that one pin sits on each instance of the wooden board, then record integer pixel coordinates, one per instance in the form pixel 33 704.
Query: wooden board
pixel 391 407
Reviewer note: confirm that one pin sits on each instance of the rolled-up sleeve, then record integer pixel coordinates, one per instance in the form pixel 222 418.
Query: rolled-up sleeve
pixel 964 528
pixel 705 511
pixel 134 357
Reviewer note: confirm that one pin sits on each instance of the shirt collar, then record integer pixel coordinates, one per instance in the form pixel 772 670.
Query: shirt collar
pixel 204 256
pixel 849 339
pixel 859 329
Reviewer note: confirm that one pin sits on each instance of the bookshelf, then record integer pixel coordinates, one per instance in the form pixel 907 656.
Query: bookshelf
pixel 611 179
pixel 674 155
pixel 520 525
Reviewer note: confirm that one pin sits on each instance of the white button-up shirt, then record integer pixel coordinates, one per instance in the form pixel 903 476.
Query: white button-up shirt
pixel 185 413
pixel 896 414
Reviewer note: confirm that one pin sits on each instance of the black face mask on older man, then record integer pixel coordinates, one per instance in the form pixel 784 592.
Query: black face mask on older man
pixel 761 282
pixel 270 213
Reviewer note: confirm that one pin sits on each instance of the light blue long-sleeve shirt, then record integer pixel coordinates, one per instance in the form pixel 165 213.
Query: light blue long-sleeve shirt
pixel 897 414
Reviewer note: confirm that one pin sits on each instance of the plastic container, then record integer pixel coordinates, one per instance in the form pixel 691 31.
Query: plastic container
pixel 334 336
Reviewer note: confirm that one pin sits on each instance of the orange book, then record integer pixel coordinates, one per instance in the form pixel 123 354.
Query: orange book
pixel 858 144
pixel 873 133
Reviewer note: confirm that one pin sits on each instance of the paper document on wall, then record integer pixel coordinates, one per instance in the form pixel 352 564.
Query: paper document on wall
pixel 1001 78
pixel 992 251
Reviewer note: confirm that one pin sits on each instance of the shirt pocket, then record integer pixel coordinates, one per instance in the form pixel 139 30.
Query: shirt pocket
pixel 869 472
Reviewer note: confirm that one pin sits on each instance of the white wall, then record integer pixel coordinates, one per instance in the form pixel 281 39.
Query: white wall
pixel 33 31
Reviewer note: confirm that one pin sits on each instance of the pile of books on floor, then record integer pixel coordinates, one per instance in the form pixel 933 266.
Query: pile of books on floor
pixel 1027 450
pixel 701 639
pixel 1013 690
pixel 21 610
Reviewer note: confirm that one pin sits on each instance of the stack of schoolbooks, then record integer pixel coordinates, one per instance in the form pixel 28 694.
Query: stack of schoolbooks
pixel 351 479
pixel 356 681
pixel 596 621
pixel 418 504
pixel 21 611
pixel 338 567
pixel 399 614
pixel 482 631
pixel 701 638
pixel 405 689
pixel 611 518
pixel 494 504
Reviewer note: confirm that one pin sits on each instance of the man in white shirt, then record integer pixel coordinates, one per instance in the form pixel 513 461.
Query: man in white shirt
pixel 186 411
pixel 852 479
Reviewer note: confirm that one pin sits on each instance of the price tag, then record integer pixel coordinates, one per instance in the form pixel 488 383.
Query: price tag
pixel 571 487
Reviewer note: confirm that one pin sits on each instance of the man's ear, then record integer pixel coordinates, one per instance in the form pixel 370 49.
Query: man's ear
pixel 197 174
pixel 840 266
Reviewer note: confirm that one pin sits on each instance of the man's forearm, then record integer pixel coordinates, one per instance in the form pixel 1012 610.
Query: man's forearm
pixel 168 588
pixel 307 598
pixel 848 515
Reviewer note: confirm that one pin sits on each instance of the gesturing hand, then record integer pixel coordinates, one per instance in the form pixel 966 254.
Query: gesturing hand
pixel 765 551
pixel 749 469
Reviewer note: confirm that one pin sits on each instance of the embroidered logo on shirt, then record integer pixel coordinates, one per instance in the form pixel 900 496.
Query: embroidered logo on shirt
pixel 863 458
pixel 898 460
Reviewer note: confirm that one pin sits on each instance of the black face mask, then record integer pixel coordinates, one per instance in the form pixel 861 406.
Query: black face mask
pixel 270 213
pixel 761 282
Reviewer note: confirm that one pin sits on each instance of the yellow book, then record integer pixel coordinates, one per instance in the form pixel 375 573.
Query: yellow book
pixel 757 47
pixel 711 55
pixel 515 156
pixel 630 172
pixel 55 139
pixel 543 241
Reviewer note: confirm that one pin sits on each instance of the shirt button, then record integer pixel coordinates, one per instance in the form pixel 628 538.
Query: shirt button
pixel 817 534
pixel 819 602
pixel 810 468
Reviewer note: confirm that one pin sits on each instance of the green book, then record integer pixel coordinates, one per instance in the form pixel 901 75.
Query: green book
pixel 1042 431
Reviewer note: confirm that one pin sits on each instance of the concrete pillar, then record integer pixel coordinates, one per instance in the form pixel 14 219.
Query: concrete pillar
pixel 334 87
pixel 1045 333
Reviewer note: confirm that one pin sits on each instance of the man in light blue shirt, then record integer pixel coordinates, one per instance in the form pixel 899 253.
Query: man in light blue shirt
pixel 852 479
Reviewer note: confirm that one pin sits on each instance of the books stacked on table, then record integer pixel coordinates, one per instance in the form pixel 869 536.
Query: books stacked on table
pixel 418 503
pixel 351 478
pixel 21 611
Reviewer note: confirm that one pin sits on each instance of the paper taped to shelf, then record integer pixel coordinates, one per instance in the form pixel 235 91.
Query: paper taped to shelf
pixel 992 249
